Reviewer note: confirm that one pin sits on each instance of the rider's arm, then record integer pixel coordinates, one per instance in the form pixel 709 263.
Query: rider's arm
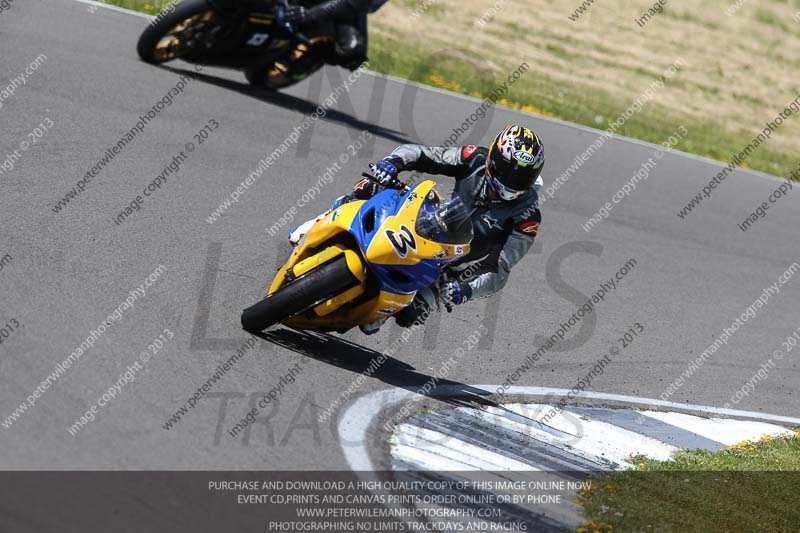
pixel 497 267
pixel 454 162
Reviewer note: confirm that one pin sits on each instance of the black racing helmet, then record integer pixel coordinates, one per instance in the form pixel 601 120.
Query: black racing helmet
pixel 515 160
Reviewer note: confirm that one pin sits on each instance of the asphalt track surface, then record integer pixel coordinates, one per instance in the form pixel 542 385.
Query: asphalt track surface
pixel 70 270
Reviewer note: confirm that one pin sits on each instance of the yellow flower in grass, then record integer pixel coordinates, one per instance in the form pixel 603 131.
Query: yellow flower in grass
pixel 595 527
pixel 744 446
pixel 442 83
pixel 770 438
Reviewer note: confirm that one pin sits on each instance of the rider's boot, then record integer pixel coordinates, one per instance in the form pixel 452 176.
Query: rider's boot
pixel 419 310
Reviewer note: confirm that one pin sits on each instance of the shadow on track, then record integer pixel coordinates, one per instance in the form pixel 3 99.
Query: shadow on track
pixel 350 356
pixel 293 103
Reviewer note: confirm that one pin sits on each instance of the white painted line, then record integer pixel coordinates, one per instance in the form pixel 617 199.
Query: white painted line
pixel 354 426
pixel 355 422
pixel 560 429
pixel 560 122
pixel 567 424
pixel 601 439
pixel 726 431
pixel 469 439
pixel 410 442
pixel 529 433
pixel 514 433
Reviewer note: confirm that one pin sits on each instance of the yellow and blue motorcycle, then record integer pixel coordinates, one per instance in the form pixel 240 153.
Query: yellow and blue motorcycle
pixel 365 260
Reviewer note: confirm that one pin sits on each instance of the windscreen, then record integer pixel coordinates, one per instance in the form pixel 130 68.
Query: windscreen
pixel 444 221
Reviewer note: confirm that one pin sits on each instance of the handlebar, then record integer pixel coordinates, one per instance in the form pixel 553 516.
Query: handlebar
pixel 401 185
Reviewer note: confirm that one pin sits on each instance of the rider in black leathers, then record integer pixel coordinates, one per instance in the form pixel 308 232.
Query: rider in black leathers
pixel 346 20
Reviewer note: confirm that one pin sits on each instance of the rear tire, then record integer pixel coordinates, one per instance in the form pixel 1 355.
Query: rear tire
pixel 147 47
pixel 300 295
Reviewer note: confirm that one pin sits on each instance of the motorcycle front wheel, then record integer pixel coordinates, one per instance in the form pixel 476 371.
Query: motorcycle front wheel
pixel 173 35
pixel 302 294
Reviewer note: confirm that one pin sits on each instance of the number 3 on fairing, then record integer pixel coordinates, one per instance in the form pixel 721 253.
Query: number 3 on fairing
pixel 403 241
pixel 258 39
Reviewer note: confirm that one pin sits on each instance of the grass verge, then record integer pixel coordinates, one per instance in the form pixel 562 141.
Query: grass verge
pixel 151 7
pixel 751 486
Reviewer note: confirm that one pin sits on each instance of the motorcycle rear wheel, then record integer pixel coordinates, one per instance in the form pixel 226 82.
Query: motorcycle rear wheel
pixel 302 294
pixel 177 33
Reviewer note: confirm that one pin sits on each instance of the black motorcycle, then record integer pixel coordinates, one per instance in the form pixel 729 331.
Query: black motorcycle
pixel 248 35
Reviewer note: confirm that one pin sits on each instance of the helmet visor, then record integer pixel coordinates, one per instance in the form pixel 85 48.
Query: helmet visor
pixel 513 175
pixel 500 190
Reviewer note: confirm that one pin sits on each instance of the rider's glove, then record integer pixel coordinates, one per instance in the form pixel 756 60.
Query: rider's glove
pixel 455 292
pixel 301 15
pixel 386 172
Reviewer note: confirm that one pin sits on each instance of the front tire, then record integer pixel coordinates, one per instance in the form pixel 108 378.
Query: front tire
pixel 300 295
pixel 177 33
